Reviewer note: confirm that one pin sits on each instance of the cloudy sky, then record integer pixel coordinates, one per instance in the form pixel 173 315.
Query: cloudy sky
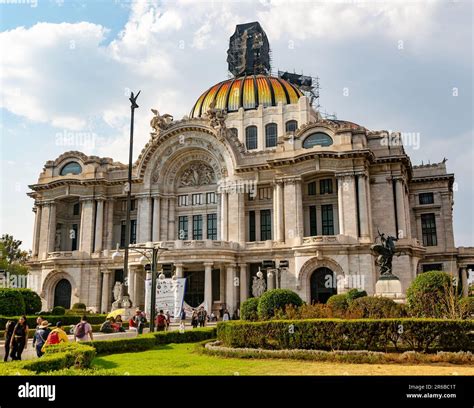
pixel 67 68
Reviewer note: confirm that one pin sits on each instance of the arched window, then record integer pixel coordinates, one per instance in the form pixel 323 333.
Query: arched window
pixel 271 135
pixel 251 137
pixel 291 126
pixel 71 168
pixel 234 132
pixel 317 139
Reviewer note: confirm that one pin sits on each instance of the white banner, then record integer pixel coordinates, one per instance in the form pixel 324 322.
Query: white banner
pixel 170 295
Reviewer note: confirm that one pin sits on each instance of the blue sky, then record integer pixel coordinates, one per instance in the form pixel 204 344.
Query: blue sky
pixel 69 66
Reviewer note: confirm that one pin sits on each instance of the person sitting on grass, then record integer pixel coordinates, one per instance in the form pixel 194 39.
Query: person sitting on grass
pixel 57 336
pixel 119 324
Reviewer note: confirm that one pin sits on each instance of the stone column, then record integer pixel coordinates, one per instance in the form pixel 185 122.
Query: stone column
pixel 105 290
pixel 99 225
pixel 400 200
pixel 171 219
pixel 224 216
pixel 156 236
pixel 279 215
pixel 164 219
pixel 208 286
pixel 349 205
pixel 109 232
pixel 340 204
pixel 299 209
pixel 44 232
pixel 230 295
pixel 37 229
pixel 293 210
pixel 131 283
pixel 243 282
pixel 363 207
pixel 87 225
pixel 219 215
pixel 179 270
pixel 144 220
pixel 51 227
pixel 222 284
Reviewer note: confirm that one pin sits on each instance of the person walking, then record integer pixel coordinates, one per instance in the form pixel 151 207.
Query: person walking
pixel 39 320
pixel 139 321
pixel 194 319
pixel 168 320
pixel 8 338
pixel 161 321
pixel 57 336
pixel 202 316
pixel 83 330
pixel 40 337
pixel 19 340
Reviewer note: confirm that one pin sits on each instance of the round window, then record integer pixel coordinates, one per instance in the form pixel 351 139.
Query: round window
pixel 71 168
pixel 317 139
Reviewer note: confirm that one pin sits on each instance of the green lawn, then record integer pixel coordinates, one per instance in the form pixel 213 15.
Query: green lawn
pixel 182 359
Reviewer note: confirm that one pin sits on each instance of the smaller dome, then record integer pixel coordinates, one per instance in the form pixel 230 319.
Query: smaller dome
pixel 247 92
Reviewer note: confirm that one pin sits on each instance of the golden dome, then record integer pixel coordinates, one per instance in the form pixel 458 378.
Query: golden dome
pixel 247 92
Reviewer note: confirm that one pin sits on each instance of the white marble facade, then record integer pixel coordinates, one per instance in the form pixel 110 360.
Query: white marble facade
pixel 222 209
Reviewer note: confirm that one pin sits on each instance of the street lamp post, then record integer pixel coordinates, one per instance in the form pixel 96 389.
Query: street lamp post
pixel 133 106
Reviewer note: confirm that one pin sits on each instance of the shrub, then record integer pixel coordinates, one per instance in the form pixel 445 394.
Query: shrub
pixel 249 309
pixel 58 311
pixel 373 307
pixel 426 296
pixel 466 306
pixel 275 299
pixel 32 301
pixel 79 306
pixel 66 319
pixel 338 304
pixel 354 294
pixel 358 334
pixel 11 302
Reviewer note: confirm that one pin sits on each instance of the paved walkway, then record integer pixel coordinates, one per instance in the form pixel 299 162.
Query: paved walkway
pixel 30 352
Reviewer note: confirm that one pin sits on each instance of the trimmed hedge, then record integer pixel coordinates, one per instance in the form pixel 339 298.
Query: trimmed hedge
pixel 358 334
pixel 67 320
pixel 372 307
pixel 338 303
pixel 11 302
pixel 148 341
pixel 249 309
pixel 276 299
pixel 58 311
pixel 31 299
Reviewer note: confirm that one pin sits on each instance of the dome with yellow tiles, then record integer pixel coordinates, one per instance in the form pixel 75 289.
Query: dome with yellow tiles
pixel 248 92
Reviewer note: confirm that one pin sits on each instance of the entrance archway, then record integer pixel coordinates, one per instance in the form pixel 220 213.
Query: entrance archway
pixel 323 285
pixel 62 294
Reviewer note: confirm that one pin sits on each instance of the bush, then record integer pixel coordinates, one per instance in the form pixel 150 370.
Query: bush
pixel 426 296
pixel 11 302
pixel 338 304
pixel 67 320
pixel 373 307
pixel 249 309
pixel 275 299
pixel 32 301
pixel 354 294
pixel 79 306
pixel 358 334
pixel 58 311
pixel 466 306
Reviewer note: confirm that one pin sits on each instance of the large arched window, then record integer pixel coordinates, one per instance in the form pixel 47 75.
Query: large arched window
pixel 291 126
pixel 71 168
pixel 317 139
pixel 251 137
pixel 271 135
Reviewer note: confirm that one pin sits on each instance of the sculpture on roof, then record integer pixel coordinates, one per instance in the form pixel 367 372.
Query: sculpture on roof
pixel 217 118
pixel 160 122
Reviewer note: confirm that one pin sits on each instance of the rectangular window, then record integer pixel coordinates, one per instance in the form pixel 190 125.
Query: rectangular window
pixel 197 199
pixel 327 219
pixel 325 186
pixel 74 230
pixel 183 201
pixel 312 221
pixel 212 226
pixel 312 188
pixel 264 193
pixel 265 225
pixel 252 230
pixel 432 267
pixel 75 209
pixel 182 227
pixel 428 229
pixel 133 231
pixel 426 198
pixel 197 227
pixel 133 205
pixel 210 198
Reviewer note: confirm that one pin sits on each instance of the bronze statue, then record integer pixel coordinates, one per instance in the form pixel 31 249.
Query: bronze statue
pixel 384 251
pixel 160 122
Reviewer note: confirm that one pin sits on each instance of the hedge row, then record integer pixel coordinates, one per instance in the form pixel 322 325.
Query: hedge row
pixel 77 355
pixel 339 356
pixel 148 341
pixel 358 334
pixel 65 319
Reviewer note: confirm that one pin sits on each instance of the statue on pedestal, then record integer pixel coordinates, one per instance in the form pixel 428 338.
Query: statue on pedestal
pixel 384 252
pixel 258 286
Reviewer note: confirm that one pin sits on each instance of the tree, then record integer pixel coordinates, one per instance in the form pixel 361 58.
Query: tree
pixel 12 258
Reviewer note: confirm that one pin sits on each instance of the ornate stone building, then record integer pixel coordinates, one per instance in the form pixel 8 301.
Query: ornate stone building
pixel 253 174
